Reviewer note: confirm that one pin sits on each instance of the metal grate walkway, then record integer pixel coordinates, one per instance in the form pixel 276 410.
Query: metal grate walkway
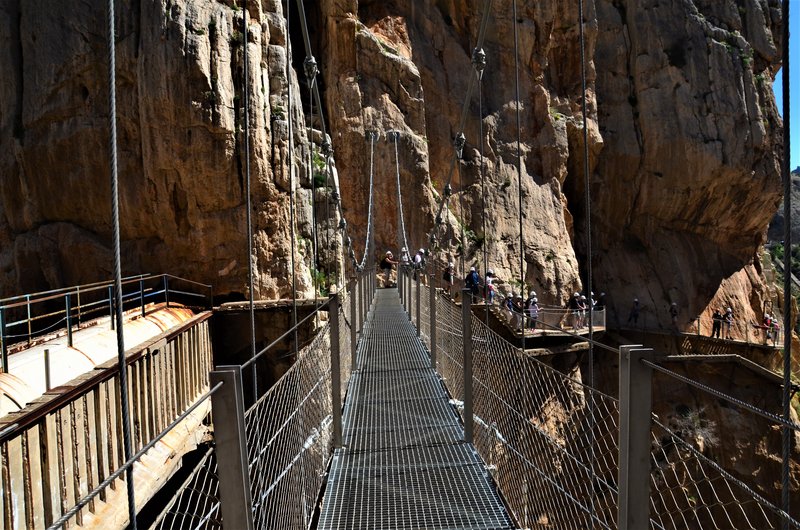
pixel 404 464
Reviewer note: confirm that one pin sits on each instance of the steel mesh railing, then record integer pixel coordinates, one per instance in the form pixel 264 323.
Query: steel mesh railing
pixel 552 445
pixel 689 490
pixel 289 434
pixel 196 503
pixel 542 429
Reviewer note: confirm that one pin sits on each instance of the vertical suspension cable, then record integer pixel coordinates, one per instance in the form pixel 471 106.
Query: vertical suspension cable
pixel 479 59
pixel 787 276
pixel 248 200
pixel 310 67
pixel 121 361
pixel 588 235
pixel 290 165
pixel 519 155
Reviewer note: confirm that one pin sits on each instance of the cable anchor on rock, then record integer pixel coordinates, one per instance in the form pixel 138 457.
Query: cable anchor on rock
pixel 459 143
pixel 479 60
pixel 310 68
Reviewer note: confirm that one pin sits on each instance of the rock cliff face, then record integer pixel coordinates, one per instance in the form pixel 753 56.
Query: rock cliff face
pixel 181 161
pixel 682 132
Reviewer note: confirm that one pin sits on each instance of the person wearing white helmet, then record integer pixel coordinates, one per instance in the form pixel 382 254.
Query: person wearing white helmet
pixel 405 259
pixel 473 283
pixel 532 309
pixel 574 306
pixel 728 319
pixel 419 261
pixel 490 288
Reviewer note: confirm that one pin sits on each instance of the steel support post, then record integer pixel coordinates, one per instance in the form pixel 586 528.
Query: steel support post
pixel 111 305
pixel 362 287
pixel 336 371
pixel 141 295
pixel 166 290
pixel 30 330
pixel 68 311
pixel 227 407
pixel 4 339
pixel 433 323
pixel 419 295
pixel 400 282
pixel 466 318
pixel 353 337
pixel 635 401
pixel 47 379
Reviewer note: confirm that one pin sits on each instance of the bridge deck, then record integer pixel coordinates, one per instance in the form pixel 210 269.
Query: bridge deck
pixel 405 463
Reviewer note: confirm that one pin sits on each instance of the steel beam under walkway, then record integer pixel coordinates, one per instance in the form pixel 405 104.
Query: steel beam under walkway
pixel 404 464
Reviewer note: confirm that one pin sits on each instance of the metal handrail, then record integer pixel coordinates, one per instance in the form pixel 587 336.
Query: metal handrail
pixel 82 309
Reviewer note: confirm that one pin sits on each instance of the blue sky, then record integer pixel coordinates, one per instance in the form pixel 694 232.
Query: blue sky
pixel 794 82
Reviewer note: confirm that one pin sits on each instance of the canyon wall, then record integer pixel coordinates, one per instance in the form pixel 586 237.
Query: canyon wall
pixel 682 141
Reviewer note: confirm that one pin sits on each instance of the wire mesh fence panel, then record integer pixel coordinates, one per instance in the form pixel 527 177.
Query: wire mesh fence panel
pixel 345 351
pixel 689 490
pixel 288 434
pixel 425 315
pixel 449 341
pixel 550 440
pixel 196 503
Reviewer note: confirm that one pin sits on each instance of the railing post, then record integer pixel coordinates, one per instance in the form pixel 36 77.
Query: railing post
pixel 400 282
pixel 419 295
pixel 80 308
pixel 433 324
pixel 353 324
pixel 141 295
pixel 466 318
pixel 336 371
pixel 111 305
pixel 28 305
pixel 227 407
pixel 408 297
pixel 47 379
pixel 635 402
pixel 3 339
pixel 68 310
pixel 166 289
pixel 362 287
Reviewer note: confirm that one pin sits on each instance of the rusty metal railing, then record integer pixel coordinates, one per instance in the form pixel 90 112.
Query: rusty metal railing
pixel 63 445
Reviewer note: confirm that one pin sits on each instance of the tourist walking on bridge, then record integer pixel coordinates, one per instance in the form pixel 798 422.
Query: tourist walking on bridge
pixel 387 263
pixel 449 277
pixel 473 283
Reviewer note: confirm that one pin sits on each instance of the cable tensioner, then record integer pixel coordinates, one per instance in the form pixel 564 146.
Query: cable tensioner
pixel 310 67
pixel 479 60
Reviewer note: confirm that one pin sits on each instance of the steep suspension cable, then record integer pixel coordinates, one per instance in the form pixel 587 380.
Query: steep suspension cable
pixel 479 63
pixel 787 277
pixel 248 200
pixel 290 164
pixel 121 360
pixel 588 236
pixel 346 239
pixel 310 69
pixel 462 122
pixel 394 137
pixel 371 137
pixel 519 152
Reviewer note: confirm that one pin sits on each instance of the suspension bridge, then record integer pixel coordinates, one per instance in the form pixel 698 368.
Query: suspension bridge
pixel 405 409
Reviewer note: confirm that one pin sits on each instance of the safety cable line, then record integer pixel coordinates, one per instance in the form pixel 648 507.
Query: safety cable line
pixel 329 162
pixel 290 164
pixel 394 137
pixel 123 372
pixel 248 201
pixel 787 261
pixel 310 67
pixel 371 136
pixel 519 153
pixel 777 420
pixel 588 235
pixel 479 62
pixel 462 122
